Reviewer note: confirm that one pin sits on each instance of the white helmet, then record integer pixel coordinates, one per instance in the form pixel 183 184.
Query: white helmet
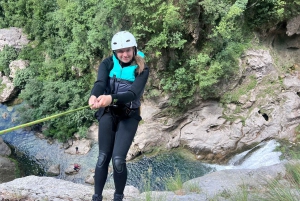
pixel 123 39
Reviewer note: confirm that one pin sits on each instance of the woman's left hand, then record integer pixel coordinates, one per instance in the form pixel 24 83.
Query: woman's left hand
pixel 103 101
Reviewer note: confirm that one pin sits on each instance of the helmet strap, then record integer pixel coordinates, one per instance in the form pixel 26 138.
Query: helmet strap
pixel 135 51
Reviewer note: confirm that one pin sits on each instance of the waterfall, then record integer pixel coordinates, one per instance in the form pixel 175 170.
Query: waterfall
pixel 263 154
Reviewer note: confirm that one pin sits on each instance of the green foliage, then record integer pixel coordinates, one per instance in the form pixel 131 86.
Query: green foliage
pixel 214 10
pixel 28 14
pixel 158 22
pixel 48 98
pixel 174 183
pixel 7 55
pixel 2 17
pixel 76 34
pixel 22 77
pixel 267 13
pixel 193 187
pixel 82 131
pixel 231 21
pixel 241 194
pixel 288 190
pixel 181 85
pixel 297 131
pixel 289 150
pixel 293 171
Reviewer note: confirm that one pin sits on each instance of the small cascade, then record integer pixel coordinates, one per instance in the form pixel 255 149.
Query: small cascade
pixel 261 155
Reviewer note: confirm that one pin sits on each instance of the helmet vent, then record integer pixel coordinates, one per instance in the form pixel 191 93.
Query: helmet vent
pixel 115 43
pixel 127 41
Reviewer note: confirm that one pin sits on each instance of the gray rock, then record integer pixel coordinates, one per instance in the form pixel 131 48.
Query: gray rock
pixel 53 170
pixel 90 179
pixel 84 146
pixel 16 65
pixel 48 188
pixel 231 180
pixel 4 148
pixel 12 37
pixel 9 92
pixel 70 170
pixel 207 187
pixel 293 26
pixel 44 188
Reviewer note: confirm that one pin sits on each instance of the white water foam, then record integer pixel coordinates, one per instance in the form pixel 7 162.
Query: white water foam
pixel 261 155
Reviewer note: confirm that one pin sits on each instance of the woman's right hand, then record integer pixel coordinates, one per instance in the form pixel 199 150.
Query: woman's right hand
pixel 92 102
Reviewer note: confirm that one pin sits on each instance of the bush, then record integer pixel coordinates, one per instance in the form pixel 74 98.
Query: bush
pixel 7 55
pixel 44 99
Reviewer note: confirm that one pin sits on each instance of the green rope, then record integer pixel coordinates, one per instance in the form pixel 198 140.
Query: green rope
pixel 41 120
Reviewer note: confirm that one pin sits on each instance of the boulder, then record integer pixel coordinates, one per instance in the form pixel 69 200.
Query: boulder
pixel 16 65
pixel 53 170
pixel 83 146
pixel 9 90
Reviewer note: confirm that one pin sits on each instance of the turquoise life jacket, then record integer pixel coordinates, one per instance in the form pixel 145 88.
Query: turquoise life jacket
pixel 121 79
pixel 126 73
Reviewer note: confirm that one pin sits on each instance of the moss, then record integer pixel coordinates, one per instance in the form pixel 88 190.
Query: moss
pixel 234 95
pixel 2 87
pixel 14 102
pixel 17 169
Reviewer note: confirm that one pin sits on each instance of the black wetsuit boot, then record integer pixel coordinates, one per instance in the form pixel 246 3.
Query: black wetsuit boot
pixel 97 197
pixel 118 197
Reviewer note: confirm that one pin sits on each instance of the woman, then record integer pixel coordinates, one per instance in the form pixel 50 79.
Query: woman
pixel 120 84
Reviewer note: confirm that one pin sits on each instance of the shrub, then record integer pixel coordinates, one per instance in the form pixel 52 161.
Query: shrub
pixel 7 55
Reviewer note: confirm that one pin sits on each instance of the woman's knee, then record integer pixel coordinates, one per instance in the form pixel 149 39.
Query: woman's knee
pixel 119 164
pixel 102 159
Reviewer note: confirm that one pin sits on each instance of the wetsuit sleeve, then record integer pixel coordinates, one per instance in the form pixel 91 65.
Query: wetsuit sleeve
pixel 102 77
pixel 136 90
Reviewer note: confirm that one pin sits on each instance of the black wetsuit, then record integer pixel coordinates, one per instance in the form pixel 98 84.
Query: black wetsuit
pixel 116 131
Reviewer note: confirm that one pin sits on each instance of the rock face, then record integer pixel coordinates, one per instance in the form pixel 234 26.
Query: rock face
pixel 12 37
pixel 215 131
pixel 293 26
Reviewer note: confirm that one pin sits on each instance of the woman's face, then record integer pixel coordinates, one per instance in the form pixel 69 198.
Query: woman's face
pixel 125 55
